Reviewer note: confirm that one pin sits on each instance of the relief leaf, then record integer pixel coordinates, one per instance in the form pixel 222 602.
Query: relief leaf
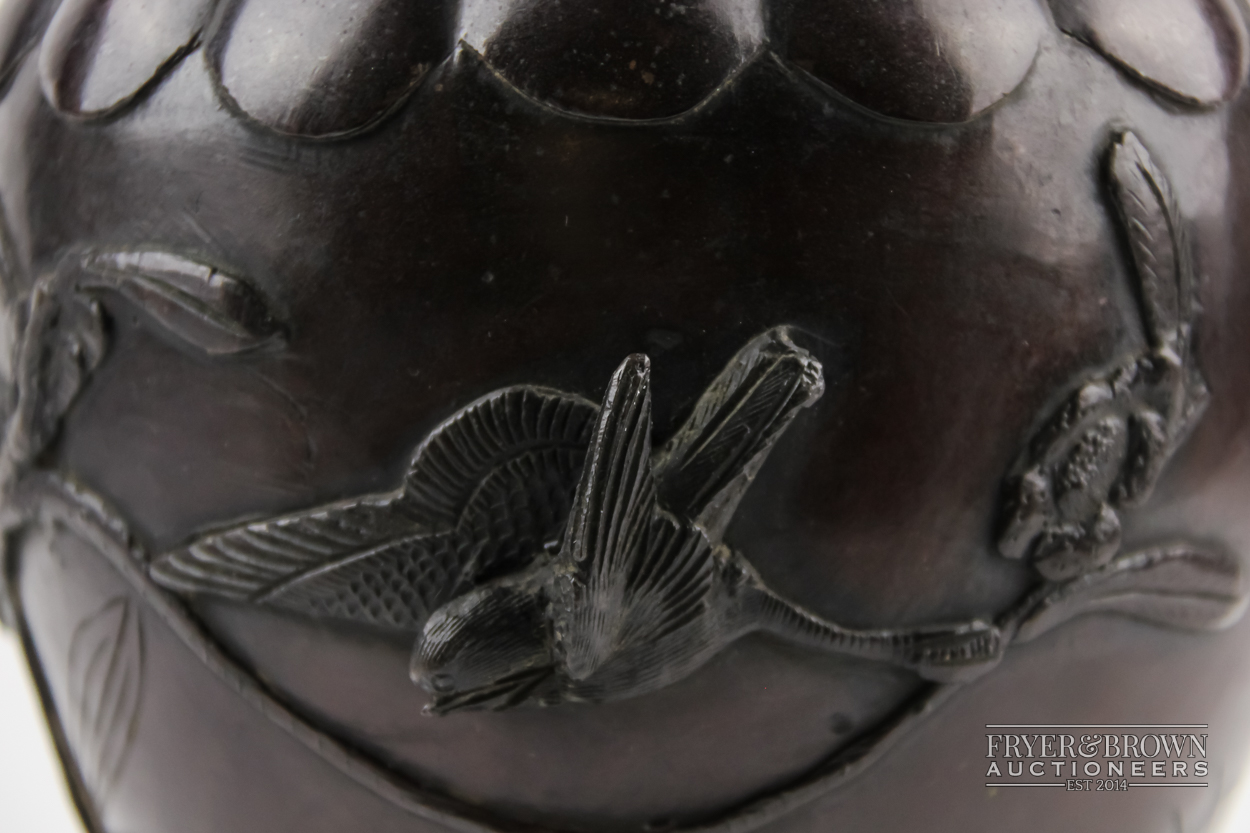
pixel 1178 586
pixel 210 310
pixel 1152 225
pixel 104 688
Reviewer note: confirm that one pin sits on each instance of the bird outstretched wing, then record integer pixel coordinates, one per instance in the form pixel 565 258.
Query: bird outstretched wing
pixel 630 572
pixel 494 484
pixel 244 561
pixel 485 492
pixel 703 471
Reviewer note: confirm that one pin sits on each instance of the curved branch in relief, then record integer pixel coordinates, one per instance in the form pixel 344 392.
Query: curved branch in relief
pixel 1179 586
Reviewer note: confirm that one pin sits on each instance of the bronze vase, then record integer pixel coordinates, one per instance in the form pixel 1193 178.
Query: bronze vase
pixel 706 416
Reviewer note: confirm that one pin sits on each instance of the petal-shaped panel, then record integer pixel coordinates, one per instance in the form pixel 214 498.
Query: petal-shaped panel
pixel 319 69
pixel 650 59
pixel 1191 50
pixel 21 24
pixel 918 60
pixel 98 54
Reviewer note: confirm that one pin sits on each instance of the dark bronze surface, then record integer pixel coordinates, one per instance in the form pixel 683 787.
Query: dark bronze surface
pixel 255 253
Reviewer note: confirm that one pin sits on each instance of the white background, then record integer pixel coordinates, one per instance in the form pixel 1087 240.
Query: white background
pixel 33 797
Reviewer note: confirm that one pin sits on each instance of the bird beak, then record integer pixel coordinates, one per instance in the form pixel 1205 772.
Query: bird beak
pixel 502 694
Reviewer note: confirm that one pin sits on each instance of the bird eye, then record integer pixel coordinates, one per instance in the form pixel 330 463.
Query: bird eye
pixel 442 683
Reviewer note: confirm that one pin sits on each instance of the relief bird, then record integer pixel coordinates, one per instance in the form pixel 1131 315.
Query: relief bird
pixel 541 551
pixel 637 597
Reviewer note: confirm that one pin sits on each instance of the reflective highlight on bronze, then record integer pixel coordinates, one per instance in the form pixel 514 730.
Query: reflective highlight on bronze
pixel 327 422
pixel 98 54
pixel 920 60
pixel 317 69
pixel 1192 51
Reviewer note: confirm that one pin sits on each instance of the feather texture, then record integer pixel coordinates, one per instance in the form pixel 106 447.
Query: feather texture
pixel 246 561
pixel 489 489
pixel 636 574
pixel 705 469
pixel 459 454
pixel 396 586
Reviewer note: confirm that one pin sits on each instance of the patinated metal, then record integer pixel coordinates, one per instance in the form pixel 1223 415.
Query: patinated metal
pixel 695 416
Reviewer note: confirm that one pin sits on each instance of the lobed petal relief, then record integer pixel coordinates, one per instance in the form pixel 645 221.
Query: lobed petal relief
pixel 324 69
pixel 1193 51
pixel 941 61
pixel 97 55
pixel 21 24
pixel 637 61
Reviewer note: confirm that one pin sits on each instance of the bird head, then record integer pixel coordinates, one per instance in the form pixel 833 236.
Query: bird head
pixel 487 649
